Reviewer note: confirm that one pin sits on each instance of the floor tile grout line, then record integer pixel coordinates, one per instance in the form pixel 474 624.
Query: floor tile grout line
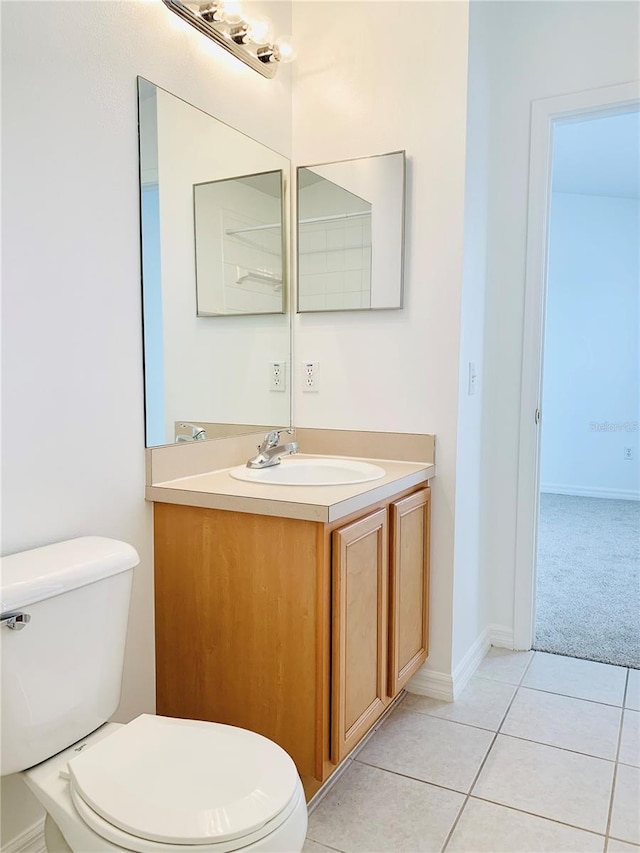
pixel 527 667
pixel 538 815
pixel 623 840
pixel 456 821
pixel 467 797
pixel 569 696
pixel 493 680
pixel 447 720
pixel 611 798
pixel 413 778
pixel 322 844
pixel 616 764
pixel 626 688
pixel 555 746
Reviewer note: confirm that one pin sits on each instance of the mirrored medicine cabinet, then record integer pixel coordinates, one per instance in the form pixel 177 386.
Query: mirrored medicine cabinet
pixel 350 234
pixel 215 231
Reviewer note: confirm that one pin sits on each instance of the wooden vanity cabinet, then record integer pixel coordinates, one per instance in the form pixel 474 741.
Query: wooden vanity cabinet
pixel 299 630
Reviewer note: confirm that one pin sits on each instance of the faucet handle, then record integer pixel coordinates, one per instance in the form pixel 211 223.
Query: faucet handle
pixel 272 438
pixel 197 432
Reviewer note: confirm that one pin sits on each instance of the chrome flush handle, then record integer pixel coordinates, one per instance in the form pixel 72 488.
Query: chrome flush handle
pixel 16 620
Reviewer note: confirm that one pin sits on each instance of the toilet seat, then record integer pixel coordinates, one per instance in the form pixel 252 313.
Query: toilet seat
pixel 168 784
pixel 128 842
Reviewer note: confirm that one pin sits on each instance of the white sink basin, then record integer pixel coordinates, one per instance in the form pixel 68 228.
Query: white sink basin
pixel 311 472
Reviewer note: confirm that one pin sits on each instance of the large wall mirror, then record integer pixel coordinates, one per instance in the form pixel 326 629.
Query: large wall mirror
pixel 214 227
pixel 351 234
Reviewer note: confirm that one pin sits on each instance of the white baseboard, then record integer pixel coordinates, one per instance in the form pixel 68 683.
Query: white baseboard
pixel 428 682
pixel 29 841
pixel 470 662
pixel 501 636
pixel 442 685
pixel 591 492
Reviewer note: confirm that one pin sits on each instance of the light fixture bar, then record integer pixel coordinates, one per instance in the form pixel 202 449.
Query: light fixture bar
pixel 240 51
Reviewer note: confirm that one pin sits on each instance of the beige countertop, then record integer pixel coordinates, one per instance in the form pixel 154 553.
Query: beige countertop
pixel 218 490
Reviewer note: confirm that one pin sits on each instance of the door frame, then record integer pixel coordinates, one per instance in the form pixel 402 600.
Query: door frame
pixel 545 114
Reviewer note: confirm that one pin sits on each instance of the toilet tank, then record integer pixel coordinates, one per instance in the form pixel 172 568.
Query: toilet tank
pixel 62 671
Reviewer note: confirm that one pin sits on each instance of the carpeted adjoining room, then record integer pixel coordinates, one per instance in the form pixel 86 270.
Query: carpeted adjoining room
pixel 588 579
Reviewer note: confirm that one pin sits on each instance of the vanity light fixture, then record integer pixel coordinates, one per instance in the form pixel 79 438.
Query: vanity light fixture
pixel 247 38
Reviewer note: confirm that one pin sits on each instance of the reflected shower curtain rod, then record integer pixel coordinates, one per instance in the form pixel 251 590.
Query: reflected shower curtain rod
pixel 334 218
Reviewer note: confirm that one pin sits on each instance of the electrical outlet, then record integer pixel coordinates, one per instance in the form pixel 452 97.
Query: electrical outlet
pixel 310 377
pixel 473 376
pixel 278 376
pixel 628 453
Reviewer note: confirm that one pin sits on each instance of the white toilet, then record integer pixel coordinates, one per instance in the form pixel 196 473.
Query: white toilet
pixel 156 784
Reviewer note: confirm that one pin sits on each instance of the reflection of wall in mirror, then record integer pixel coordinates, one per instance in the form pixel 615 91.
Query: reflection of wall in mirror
pixel 215 369
pixel 226 260
pixel 379 180
pixel 334 254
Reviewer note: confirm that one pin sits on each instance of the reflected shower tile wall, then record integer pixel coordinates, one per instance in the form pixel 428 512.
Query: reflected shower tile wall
pixel 334 262
pixel 259 251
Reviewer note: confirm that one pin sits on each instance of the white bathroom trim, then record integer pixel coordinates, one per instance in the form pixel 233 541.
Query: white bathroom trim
pixel 29 841
pixel 465 670
pixel 591 492
pixel 445 686
pixel 429 682
pixel 501 636
pixel 544 115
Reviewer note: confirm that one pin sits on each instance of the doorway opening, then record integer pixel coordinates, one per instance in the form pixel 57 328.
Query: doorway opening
pixel 548 117
pixel 587 587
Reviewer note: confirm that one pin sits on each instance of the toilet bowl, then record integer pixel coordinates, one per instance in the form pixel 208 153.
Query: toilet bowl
pixel 154 785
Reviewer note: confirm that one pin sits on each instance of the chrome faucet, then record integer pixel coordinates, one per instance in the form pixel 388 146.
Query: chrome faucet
pixel 270 452
pixel 198 433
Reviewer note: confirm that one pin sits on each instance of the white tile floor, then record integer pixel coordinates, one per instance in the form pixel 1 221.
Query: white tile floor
pixel 540 754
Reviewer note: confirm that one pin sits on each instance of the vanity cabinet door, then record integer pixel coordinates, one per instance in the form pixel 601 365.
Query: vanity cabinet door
pixel 408 588
pixel 360 617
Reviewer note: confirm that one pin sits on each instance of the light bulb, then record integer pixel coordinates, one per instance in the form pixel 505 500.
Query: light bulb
pixel 285 49
pixel 211 13
pixel 232 11
pixel 259 30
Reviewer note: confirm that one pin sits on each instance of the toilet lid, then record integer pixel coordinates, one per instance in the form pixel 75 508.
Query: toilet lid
pixel 184 781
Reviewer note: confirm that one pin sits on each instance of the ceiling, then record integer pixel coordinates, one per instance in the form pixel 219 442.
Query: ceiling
pixel 598 156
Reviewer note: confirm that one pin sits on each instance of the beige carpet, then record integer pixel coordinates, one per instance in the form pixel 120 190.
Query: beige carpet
pixel 588 579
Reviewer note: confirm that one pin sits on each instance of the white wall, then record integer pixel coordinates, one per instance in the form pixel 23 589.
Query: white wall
pixel 591 366
pixel 73 435
pixel 471 582
pixel 369 81
pixel 535 50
